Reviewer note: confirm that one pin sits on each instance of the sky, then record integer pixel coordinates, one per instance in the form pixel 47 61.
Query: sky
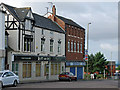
pixel 103 30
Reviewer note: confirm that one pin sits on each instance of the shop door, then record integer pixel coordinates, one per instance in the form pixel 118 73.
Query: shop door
pixel 72 69
pixel 47 71
pixel 79 72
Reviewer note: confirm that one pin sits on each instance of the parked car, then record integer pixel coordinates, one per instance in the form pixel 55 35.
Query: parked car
pixel 67 76
pixel 8 78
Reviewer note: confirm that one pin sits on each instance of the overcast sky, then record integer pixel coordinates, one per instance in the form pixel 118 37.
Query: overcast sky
pixel 103 34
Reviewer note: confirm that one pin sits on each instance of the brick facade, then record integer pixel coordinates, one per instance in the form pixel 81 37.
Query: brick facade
pixel 73 34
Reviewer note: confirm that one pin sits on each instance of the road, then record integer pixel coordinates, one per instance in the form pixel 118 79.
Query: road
pixel 73 84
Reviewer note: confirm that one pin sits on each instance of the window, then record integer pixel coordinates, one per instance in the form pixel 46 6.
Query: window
pixel 38 69
pixel 68 46
pixel 27 69
pixel 15 68
pixel 74 46
pixel 52 69
pixel 51 45
pixel 81 48
pixel 59 47
pixel 42 45
pixel 78 47
pixel 27 44
pixel 59 68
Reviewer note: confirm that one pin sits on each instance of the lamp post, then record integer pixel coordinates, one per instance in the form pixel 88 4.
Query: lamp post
pixel 87 45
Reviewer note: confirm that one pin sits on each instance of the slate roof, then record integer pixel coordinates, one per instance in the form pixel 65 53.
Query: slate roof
pixel 46 23
pixel 69 21
pixel 18 13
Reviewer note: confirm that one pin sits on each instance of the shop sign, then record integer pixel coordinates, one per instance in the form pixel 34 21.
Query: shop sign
pixel 75 63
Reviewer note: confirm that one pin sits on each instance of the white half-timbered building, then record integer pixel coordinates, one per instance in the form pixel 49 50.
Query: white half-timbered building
pixel 35 45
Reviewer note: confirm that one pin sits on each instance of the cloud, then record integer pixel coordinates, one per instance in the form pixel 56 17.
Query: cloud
pixel 109 47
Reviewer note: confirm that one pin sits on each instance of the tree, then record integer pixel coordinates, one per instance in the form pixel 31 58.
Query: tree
pixel 96 62
pixel 118 68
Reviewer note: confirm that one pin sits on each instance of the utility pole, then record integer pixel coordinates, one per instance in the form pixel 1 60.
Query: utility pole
pixel 111 65
pixel 87 46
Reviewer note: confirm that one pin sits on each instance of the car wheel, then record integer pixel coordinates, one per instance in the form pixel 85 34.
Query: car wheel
pixel 76 79
pixel 70 79
pixel 1 86
pixel 15 83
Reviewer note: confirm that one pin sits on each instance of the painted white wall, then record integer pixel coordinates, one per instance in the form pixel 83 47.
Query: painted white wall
pixel 56 36
pixel 2 40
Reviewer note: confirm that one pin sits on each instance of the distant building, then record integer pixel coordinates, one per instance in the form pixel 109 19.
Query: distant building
pixel 111 67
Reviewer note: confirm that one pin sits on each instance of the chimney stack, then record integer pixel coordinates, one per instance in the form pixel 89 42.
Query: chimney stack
pixel 54 10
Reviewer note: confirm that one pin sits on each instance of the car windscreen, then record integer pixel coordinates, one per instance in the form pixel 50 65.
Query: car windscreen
pixel 1 74
pixel 65 73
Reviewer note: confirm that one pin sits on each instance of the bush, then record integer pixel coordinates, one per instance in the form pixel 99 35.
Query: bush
pixel 100 76
pixel 85 76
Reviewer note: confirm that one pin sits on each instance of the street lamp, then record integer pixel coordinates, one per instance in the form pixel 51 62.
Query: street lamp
pixel 87 45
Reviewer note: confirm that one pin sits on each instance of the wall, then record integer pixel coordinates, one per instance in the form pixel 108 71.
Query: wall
pixel 56 36
pixel 2 40
pixel 76 35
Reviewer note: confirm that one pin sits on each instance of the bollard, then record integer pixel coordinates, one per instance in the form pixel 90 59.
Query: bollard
pixel 0 85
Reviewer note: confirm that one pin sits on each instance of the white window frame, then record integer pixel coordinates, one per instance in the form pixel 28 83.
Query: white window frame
pixel 74 46
pixel 42 45
pixel 71 46
pixel 78 47
pixel 59 47
pixel 51 46
pixel 68 46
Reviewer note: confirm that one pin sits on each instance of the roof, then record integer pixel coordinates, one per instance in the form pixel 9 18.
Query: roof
pixel 18 13
pixel 46 23
pixel 69 21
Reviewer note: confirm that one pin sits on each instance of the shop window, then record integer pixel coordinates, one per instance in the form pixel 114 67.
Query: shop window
pixel 27 69
pixel 15 68
pixel 55 69
pixel 52 69
pixel 59 68
pixel 38 69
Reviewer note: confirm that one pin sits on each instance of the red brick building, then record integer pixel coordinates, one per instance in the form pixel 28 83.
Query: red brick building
pixel 111 67
pixel 75 43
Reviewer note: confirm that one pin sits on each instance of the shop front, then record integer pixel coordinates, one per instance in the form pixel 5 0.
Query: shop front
pixel 37 68
pixel 77 68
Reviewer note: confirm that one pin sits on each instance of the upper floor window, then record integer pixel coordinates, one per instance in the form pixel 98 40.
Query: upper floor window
pixel 71 46
pixel 42 45
pixel 74 46
pixel 59 46
pixel 81 48
pixel 27 44
pixel 68 46
pixel 78 47
pixel 51 45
